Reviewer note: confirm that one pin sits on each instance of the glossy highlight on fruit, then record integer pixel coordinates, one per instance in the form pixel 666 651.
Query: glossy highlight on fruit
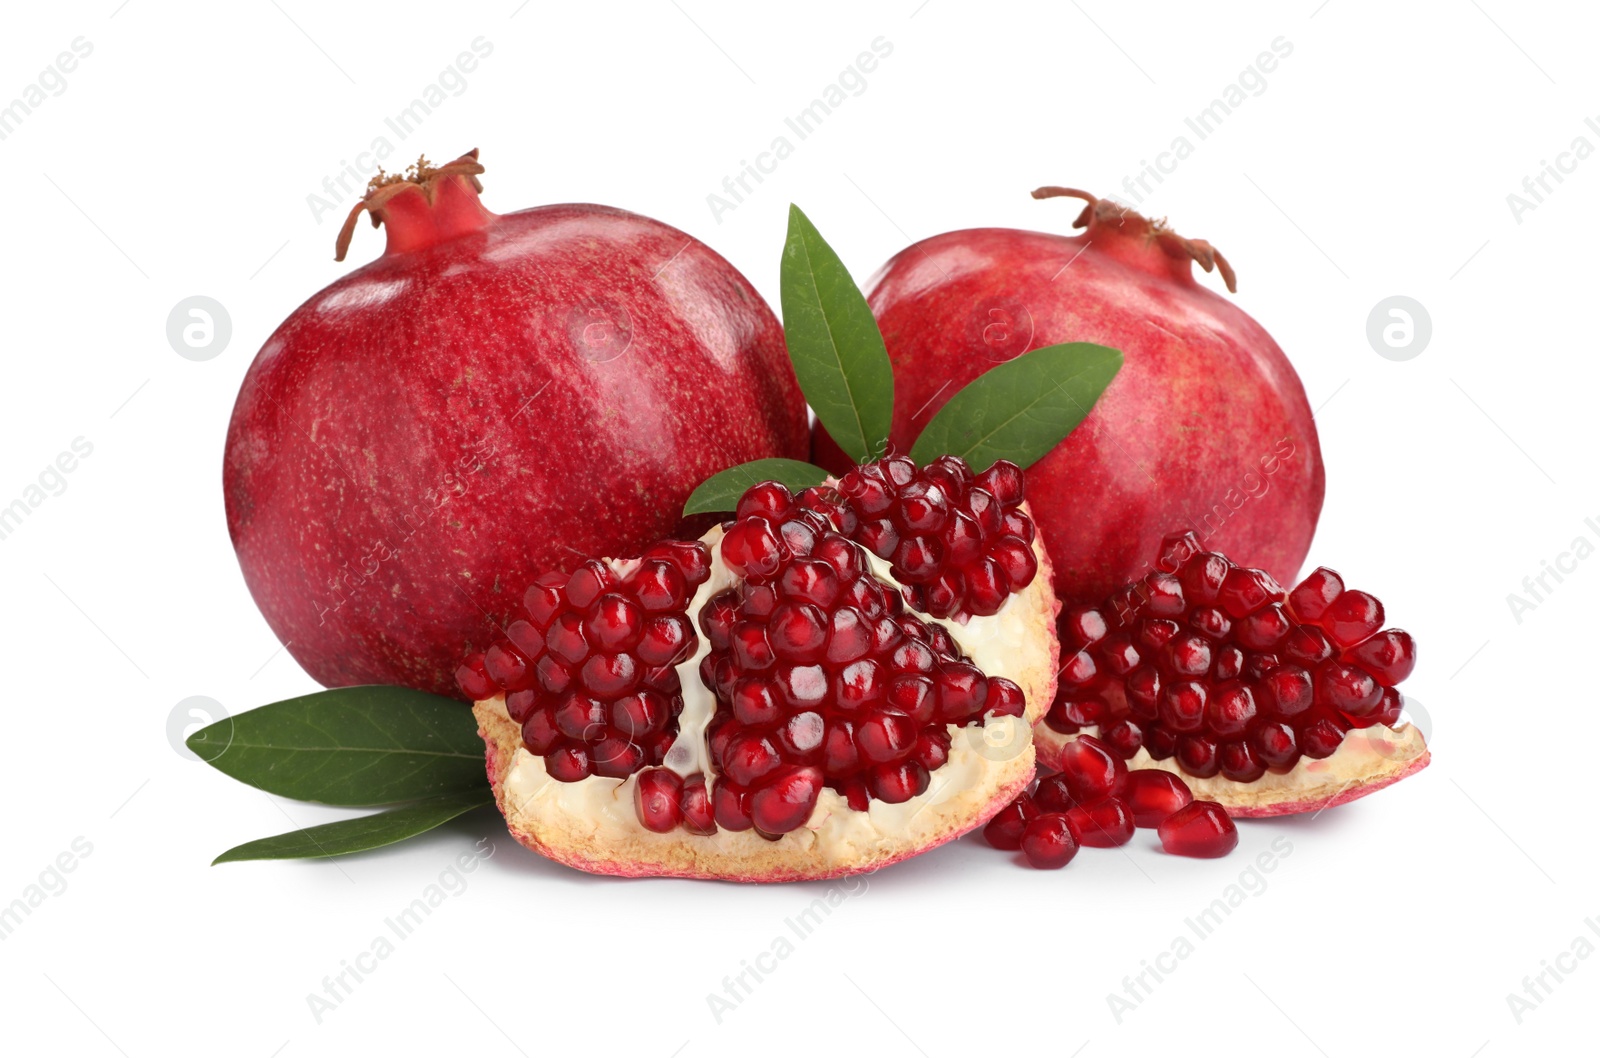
pixel 496 393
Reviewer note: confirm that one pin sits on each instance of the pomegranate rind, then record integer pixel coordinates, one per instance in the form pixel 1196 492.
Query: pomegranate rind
pixel 592 824
pixel 836 841
pixel 1366 761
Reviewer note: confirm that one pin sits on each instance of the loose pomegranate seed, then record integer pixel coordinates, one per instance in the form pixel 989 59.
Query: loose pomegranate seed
pixel 1152 795
pixel 959 541
pixel 1104 824
pixel 1217 666
pixel 1051 794
pixel 1004 831
pixel 1199 829
pixel 587 666
pixel 1048 841
pixel 1090 770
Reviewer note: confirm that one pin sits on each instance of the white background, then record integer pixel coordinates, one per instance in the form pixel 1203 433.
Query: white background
pixel 1377 161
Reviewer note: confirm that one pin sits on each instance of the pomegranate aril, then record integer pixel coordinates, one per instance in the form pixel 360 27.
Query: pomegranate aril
pixel 616 757
pixel 1052 794
pixel 521 704
pixel 1389 656
pixel 1090 769
pixel 1388 711
pixel 695 807
pixel 1352 618
pixel 1200 829
pixel 1124 738
pixel 1276 745
pixel 932 750
pixel 586 583
pixel 730 805
pixel 1321 738
pixel 770 499
pixel 1312 596
pixel 1231 709
pixel 1239 762
pixel 539 732
pixel 886 736
pixel 1048 842
pixel 1104 824
pixel 567 763
pixel 1082 626
pixel 526 638
pixel 474 681
pixel 1197 755
pixel 897 783
pixel 1287 692
pixel 1152 795
pixel 1003 698
pixel 657 795
pixel 1244 591
pixel 786 802
pixel 1349 689
pixel 505 666
pixel 543 598
pixel 1004 831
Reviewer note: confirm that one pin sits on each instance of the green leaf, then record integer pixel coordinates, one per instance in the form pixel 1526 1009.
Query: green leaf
pixel 834 343
pixel 1021 409
pixel 721 492
pixel 352 746
pixel 359 835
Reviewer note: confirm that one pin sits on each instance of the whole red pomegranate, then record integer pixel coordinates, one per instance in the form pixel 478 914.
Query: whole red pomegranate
pixel 492 395
pixel 1206 427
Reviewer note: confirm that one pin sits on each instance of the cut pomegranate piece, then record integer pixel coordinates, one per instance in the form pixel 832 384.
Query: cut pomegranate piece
pixel 760 705
pixel 1249 691
pixel 1200 829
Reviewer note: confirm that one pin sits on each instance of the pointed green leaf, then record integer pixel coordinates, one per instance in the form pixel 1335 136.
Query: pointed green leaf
pixel 359 835
pixel 721 492
pixel 352 746
pixel 834 343
pixel 1021 409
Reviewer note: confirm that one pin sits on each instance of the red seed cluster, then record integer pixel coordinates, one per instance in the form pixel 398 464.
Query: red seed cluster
pixel 587 667
pixel 1216 665
pixel 822 677
pixel 1096 801
pixel 959 542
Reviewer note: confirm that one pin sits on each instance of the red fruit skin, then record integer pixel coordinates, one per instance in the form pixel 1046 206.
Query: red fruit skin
pixel 418 435
pixel 1206 427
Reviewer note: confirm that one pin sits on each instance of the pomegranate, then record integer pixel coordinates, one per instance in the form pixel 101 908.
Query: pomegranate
pixel 1048 841
pixel 495 393
pixel 1201 828
pixel 758 705
pixel 1268 702
pixel 1206 426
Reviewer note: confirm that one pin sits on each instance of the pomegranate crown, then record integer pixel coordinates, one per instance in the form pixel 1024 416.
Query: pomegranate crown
pixel 456 214
pixel 1101 212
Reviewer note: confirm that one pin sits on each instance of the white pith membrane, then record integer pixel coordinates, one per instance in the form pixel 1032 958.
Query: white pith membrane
pixel 1366 761
pixel 592 824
